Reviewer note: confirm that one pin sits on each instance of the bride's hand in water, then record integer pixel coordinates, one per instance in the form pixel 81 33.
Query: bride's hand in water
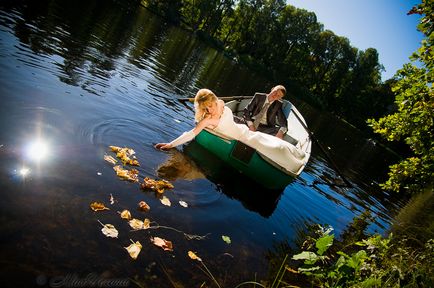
pixel 163 146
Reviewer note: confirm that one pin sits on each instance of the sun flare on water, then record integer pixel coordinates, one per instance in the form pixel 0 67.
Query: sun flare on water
pixel 37 150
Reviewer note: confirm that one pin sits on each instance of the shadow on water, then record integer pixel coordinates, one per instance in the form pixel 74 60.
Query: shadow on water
pixel 197 162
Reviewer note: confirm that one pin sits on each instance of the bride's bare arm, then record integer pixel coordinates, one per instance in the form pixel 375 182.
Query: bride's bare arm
pixel 186 136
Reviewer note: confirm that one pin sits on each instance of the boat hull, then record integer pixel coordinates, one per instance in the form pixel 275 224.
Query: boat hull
pixel 245 160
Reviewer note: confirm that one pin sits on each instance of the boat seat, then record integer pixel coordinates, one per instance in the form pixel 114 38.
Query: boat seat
pixel 286 107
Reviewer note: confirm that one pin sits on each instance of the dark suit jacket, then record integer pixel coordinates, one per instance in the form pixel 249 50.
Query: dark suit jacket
pixel 275 116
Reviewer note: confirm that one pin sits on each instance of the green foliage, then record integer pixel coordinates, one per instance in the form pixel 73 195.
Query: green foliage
pixel 372 262
pixel 413 123
pixel 288 45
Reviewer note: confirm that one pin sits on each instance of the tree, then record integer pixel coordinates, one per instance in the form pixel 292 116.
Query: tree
pixel 414 120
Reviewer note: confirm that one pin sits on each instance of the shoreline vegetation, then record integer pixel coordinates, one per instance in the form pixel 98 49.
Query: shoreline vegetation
pixel 289 46
pixel 345 82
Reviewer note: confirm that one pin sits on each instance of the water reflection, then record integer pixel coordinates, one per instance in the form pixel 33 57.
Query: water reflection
pixel 232 183
pixel 55 57
pixel 37 150
pixel 179 166
pixel 89 45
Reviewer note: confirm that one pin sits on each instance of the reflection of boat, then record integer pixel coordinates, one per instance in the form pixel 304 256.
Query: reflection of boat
pixel 253 164
pixel 231 183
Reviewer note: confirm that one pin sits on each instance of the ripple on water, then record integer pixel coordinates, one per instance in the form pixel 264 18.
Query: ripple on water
pixel 190 183
pixel 118 131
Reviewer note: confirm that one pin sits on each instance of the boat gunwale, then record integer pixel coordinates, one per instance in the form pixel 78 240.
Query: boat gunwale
pixel 306 150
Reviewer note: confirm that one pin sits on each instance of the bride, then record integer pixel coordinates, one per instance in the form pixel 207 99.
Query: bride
pixel 211 113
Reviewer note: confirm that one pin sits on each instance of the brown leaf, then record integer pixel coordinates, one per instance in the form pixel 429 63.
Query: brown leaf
pixel 156 185
pixel 125 214
pixel 126 155
pixel 98 206
pixel 125 174
pixel 292 270
pixel 160 242
pixel 143 206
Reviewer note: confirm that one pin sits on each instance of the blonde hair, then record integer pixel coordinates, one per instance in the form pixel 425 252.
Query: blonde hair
pixel 281 88
pixel 204 97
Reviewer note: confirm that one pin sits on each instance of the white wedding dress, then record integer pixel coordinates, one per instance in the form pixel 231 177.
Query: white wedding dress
pixel 279 151
pixel 283 153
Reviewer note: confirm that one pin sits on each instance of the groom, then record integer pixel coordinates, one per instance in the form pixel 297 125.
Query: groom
pixel 264 113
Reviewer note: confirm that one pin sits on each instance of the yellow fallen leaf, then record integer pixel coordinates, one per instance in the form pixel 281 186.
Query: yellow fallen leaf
pixel 110 159
pixel 126 155
pixel 109 230
pixel 160 242
pixel 146 223
pixel 125 214
pixel 193 256
pixel 98 206
pixel 134 249
pixel 156 185
pixel 136 224
pixel 130 175
pixel 165 201
pixel 115 148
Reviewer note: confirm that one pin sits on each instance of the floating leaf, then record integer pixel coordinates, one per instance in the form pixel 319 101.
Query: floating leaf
pixel 130 175
pixel 193 256
pixel 134 249
pixel 110 159
pixel 156 185
pixel 165 201
pixel 143 206
pixel 126 155
pixel 136 224
pixel 112 199
pixel 183 203
pixel 146 223
pixel 98 206
pixel 109 230
pixel 160 242
pixel 227 239
pixel 115 148
pixel 126 214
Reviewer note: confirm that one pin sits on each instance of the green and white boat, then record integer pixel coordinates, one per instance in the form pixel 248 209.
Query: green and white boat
pixel 259 167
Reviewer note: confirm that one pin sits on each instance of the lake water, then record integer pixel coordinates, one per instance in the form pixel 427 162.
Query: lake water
pixel 80 76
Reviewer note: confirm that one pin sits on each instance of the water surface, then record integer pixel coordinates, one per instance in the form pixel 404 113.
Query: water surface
pixel 80 76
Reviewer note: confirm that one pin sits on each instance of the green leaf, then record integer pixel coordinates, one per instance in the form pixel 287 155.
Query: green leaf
pixel 309 269
pixel 309 257
pixel 357 259
pixel 323 243
pixel 227 239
